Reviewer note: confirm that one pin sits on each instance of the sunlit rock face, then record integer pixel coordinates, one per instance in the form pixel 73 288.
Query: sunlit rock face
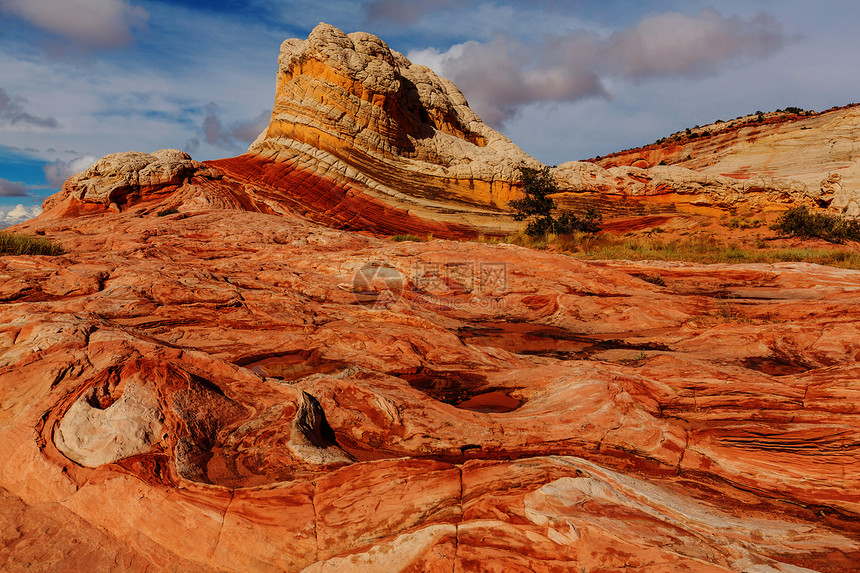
pixel 350 101
pixel 781 159
pixel 239 391
pixel 359 138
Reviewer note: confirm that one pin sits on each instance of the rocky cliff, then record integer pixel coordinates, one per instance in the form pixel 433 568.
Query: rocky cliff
pixel 359 138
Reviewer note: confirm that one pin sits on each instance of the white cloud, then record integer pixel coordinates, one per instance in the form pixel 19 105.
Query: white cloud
pixel 96 23
pixel 503 75
pixel 22 212
pixel 677 44
pixel 154 94
pixel 57 172
pixel 229 137
pixel 18 214
pixel 109 102
pixel 247 131
pixel 402 11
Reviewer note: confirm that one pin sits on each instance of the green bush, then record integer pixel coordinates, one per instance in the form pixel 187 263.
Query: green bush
pixel 589 222
pixel 538 185
pixel 11 244
pixel 803 223
pixel 166 212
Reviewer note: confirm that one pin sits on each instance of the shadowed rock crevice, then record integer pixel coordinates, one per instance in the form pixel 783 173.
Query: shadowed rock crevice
pixel 465 390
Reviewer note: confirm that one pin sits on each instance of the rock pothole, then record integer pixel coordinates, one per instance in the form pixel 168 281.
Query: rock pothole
pixel 464 390
pixel 100 430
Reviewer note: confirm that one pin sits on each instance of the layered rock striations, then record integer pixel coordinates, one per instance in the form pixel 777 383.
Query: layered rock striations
pixel 359 138
pixel 367 113
pixel 238 391
pixel 810 157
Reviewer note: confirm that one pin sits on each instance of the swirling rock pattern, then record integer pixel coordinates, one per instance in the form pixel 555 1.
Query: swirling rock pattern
pixel 224 395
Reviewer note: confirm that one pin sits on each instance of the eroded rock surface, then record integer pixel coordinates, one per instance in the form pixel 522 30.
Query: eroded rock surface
pixel 93 433
pixel 228 396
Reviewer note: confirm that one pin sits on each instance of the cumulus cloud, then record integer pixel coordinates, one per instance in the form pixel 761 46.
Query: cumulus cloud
pixel 677 44
pixel 228 137
pixel 12 188
pixel 95 23
pixel 501 76
pixel 18 214
pixel 57 172
pixel 12 113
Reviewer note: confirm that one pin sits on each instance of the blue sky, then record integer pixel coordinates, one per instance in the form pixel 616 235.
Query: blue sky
pixel 565 80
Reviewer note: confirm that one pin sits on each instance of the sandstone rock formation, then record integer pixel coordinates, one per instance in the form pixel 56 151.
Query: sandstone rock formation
pixel 360 138
pixel 354 105
pixel 680 187
pixel 219 393
pixel 815 156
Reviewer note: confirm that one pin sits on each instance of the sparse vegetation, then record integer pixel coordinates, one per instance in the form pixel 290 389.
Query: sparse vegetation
pixel 538 205
pixel 803 223
pixel 603 246
pixel 744 223
pixel 725 312
pixel 12 244
pixel 166 212
pixel 401 238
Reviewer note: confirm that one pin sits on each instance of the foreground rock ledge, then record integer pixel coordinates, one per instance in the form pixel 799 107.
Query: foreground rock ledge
pixel 232 391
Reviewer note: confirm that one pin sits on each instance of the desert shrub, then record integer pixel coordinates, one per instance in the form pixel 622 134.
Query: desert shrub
pixel 591 221
pixel 654 279
pixel 744 223
pixel 12 244
pixel 538 205
pixel 401 238
pixel 803 223
pixel 166 212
